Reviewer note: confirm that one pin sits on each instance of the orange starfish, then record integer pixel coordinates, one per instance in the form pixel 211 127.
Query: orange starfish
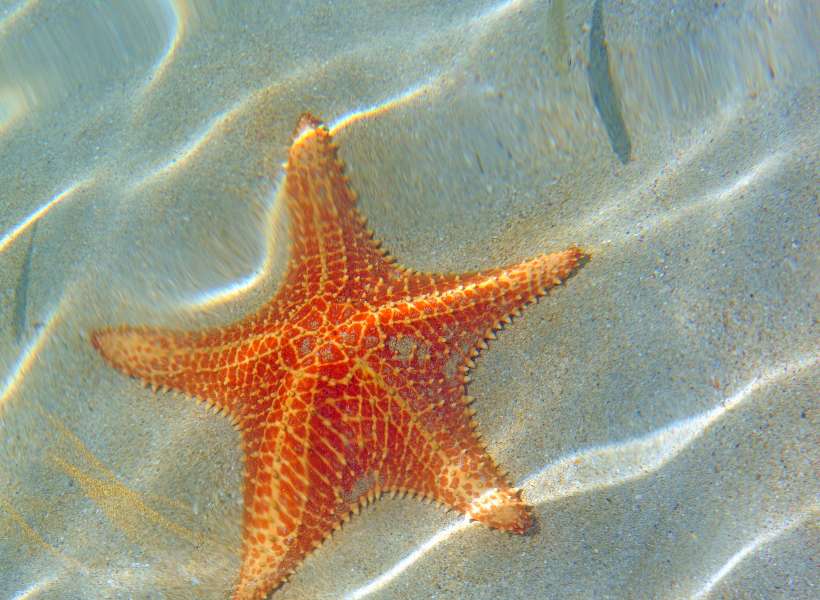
pixel 350 381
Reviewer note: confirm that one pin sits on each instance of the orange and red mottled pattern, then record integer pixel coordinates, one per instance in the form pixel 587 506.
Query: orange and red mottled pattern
pixel 350 382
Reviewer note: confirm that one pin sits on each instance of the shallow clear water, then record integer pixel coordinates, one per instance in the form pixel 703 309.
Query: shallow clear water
pixel 659 411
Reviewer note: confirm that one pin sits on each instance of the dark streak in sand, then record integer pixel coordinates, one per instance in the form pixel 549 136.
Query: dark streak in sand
pixel 603 90
pixel 20 320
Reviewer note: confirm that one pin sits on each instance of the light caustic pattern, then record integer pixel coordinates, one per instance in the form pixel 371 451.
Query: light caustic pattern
pixel 760 540
pixel 28 358
pixel 351 381
pixel 584 471
pixel 139 516
pixel 614 464
pixel 177 160
pixel 15 232
pixel 180 22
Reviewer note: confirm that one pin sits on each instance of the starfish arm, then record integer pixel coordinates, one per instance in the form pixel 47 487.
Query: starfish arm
pixel 304 476
pixel 275 499
pixel 332 251
pixel 455 318
pixel 451 466
pixel 434 450
pixel 389 435
pixel 212 365
pixel 501 292
pixel 339 443
pixel 426 350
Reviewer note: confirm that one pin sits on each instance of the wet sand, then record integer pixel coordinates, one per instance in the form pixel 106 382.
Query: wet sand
pixel 659 411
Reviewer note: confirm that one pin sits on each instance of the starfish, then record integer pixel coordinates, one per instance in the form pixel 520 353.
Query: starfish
pixel 350 382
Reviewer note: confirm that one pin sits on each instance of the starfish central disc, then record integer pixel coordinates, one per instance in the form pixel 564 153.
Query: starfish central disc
pixel 348 383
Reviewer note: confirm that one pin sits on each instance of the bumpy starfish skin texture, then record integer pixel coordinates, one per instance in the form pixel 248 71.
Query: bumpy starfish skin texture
pixel 350 382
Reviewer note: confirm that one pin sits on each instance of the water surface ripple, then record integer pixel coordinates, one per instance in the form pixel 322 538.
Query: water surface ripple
pixel 660 411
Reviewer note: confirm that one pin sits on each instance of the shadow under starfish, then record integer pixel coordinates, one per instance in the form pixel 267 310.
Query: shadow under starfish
pixel 351 381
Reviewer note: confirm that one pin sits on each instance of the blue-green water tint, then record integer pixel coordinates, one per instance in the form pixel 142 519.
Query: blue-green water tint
pixel 658 411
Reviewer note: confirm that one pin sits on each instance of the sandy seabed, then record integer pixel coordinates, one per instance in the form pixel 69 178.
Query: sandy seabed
pixel 659 411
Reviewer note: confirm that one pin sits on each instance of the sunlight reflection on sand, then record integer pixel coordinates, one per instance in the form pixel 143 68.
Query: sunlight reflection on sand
pixel 765 537
pixel 613 464
pixel 14 233
pixel 584 471
pixel 27 359
pixel 179 16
